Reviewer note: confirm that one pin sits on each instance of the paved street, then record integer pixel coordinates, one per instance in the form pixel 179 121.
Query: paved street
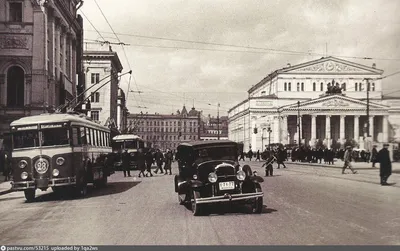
pixel 308 205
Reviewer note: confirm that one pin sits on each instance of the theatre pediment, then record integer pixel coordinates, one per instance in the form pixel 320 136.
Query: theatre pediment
pixel 331 65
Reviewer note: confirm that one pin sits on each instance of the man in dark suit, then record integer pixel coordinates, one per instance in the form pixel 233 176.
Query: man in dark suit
pixel 373 156
pixel 159 161
pixel 385 164
pixel 126 160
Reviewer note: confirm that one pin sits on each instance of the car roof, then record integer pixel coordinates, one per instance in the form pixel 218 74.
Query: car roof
pixel 126 137
pixel 205 143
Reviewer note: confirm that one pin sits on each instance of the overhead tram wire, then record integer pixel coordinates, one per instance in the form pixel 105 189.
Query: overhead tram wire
pixel 254 47
pixel 123 49
pixel 92 24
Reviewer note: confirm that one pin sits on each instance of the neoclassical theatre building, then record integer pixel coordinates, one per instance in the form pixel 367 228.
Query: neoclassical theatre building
pixel 297 95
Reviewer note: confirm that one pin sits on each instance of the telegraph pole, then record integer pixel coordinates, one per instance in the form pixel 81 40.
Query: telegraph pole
pixel 298 121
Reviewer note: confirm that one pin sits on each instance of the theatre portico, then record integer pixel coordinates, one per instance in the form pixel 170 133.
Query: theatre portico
pixel 299 96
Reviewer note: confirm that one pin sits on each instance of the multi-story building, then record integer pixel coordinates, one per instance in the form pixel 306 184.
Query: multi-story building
pixel 102 66
pixel 166 131
pixel 40 56
pixel 214 128
pixel 295 97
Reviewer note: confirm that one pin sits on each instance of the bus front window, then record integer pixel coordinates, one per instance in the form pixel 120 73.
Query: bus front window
pixel 55 137
pixel 131 144
pixel 24 139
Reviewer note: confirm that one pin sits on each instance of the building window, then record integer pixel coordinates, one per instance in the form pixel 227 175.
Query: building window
pixel 344 86
pixel 15 11
pixel 15 87
pixel 314 86
pixel 302 86
pixel 356 87
pixel 94 115
pixel 322 87
pixel 95 78
pixel 262 93
pixel 285 87
pixel 95 97
pixel 360 87
pixel 298 86
pixel 289 86
pixel 373 87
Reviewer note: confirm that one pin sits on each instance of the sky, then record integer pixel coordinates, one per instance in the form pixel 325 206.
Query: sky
pixel 205 52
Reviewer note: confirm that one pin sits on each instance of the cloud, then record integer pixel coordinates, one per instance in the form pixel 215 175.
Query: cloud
pixel 343 27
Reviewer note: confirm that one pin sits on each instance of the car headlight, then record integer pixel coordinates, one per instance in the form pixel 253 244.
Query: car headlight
pixel 24 175
pixel 241 175
pixel 212 177
pixel 22 164
pixel 56 172
pixel 60 161
pixel 195 176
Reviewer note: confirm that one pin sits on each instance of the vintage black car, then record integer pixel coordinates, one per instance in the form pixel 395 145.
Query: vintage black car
pixel 210 173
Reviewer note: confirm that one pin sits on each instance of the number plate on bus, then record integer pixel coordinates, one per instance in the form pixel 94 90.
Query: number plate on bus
pixel 227 185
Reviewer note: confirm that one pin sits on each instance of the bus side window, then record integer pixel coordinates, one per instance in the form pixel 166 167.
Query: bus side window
pixel 89 142
pixel 83 138
pixel 75 138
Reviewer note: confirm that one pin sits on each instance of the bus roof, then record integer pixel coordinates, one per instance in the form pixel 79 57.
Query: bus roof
pixel 48 118
pixel 125 137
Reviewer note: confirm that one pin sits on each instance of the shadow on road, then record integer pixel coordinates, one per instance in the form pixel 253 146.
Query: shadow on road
pixel 231 209
pixel 112 188
pixel 11 198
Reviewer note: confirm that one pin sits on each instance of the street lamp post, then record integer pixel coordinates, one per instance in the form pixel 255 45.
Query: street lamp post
pixel 262 139
pixel 269 136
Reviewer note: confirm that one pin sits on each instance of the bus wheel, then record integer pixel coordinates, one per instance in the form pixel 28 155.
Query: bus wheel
pixel 29 195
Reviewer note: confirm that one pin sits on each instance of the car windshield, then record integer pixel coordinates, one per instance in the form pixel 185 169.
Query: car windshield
pixel 55 137
pixel 216 153
pixel 24 139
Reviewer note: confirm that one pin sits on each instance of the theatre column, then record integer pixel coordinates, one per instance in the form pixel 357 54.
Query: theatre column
pixel 371 127
pixel 342 129
pixel 385 125
pixel 328 130
pixel 285 130
pixel 356 128
pixel 313 129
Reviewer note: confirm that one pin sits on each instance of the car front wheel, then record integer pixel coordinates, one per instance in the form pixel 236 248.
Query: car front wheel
pixel 29 195
pixel 258 203
pixel 196 207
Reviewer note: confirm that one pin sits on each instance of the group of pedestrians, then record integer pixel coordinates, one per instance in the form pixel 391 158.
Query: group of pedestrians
pixel 145 161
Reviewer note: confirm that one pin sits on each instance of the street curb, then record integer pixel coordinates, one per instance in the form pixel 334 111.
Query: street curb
pixel 331 166
pixel 6 191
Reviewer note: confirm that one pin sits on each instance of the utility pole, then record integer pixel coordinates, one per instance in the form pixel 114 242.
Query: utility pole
pixel 298 122
pixel 218 121
pixel 368 125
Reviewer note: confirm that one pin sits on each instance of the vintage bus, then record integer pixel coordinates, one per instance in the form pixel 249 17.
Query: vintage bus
pixel 61 151
pixel 129 142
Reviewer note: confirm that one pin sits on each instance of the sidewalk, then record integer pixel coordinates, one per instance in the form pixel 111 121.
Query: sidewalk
pixel 5 186
pixel 356 165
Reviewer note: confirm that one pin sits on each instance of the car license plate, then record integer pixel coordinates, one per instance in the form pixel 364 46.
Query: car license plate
pixel 227 185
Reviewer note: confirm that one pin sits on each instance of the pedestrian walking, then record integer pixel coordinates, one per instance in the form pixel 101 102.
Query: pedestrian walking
pixel 141 162
pixel 159 161
pixel 168 162
pixel 347 160
pixel 241 156
pixel 281 156
pixel 385 164
pixel 149 162
pixel 126 161
pixel 258 155
pixel 250 154
pixel 373 155
pixel 269 170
